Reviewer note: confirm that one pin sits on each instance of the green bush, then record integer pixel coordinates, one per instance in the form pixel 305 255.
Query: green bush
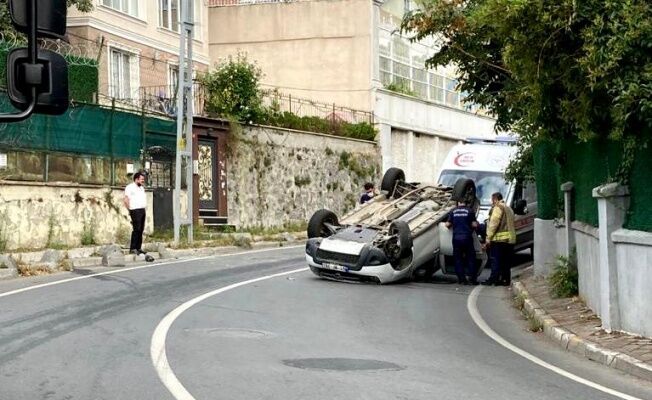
pixel 564 279
pixel 232 90
pixel 288 120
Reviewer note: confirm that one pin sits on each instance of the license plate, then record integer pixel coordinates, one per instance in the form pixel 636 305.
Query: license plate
pixel 335 267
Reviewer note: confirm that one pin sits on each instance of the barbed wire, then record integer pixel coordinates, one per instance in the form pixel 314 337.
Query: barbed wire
pixel 76 54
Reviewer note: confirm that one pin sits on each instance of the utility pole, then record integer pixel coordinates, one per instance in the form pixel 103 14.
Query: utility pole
pixel 184 121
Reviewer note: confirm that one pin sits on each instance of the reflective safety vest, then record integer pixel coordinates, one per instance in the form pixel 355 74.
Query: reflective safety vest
pixel 501 224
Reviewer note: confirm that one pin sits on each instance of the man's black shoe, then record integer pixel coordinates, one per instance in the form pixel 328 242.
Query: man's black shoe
pixel 474 283
pixel 488 283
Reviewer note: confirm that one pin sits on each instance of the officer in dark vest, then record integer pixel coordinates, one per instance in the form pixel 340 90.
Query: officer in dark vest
pixel 462 220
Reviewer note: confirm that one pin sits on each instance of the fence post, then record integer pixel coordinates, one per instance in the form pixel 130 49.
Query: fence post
pixel 143 133
pixel 111 142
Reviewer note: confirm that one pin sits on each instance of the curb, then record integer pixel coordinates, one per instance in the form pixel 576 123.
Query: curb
pixel 573 343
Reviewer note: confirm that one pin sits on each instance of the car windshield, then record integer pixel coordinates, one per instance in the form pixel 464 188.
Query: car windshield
pixel 487 183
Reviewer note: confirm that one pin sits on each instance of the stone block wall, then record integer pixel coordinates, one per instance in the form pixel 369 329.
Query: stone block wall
pixel 278 176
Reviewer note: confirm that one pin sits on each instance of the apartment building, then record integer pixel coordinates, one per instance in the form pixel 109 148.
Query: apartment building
pixel 137 44
pixel 350 53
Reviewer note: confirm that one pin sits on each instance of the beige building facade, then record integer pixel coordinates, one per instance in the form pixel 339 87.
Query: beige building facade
pixel 350 52
pixel 137 45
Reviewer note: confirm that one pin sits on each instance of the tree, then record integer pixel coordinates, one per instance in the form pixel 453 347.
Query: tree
pixel 7 29
pixel 549 69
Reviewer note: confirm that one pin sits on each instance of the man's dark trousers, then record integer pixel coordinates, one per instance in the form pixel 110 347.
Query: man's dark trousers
pixel 501 262
pixel 464 254
pixel 138 224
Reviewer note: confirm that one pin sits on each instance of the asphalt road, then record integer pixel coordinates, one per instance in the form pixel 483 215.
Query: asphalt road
pixel 292 336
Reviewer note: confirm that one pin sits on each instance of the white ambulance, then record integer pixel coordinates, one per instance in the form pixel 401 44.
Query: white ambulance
pixel 484 161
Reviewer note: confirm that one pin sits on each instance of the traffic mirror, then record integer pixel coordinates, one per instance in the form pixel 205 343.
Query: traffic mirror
pixel 51 16
pixel 48 78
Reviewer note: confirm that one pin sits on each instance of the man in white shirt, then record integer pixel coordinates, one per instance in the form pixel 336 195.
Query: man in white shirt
pixel 136 202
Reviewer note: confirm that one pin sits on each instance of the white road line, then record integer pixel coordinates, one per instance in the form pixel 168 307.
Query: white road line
pixel 121 270
pixel 157 348
pixel 472 306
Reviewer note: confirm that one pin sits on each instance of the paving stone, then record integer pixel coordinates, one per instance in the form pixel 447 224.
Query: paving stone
pixel 628 353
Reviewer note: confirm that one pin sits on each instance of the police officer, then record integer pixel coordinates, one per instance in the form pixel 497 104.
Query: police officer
pixel 462 220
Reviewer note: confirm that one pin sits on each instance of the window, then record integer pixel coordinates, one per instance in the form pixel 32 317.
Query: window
pixel 126 6
pixel 452 95
pixel 436 87
pixel 169 14
pixel 173 79
pixel 124 75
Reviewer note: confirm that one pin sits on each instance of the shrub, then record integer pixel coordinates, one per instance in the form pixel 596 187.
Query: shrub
pixel 88 234
pixel 232 90
pixel 564 279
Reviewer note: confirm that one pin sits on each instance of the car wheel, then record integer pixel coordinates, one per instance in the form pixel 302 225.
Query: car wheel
pixel 464 191
pixel 391 177
pixel 399 245
pixel 424 272
pixel 321 223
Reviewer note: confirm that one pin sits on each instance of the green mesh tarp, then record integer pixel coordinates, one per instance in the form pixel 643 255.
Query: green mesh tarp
pixel 89 130
pixel 589 165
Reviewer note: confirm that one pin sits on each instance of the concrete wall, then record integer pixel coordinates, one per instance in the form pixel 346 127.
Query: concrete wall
pixel 319 50
pixel 613 263
pixel 634 255
pixel 413 114
pixel 588 263
pixel 33 213
pixel 277 176
pixel 420 155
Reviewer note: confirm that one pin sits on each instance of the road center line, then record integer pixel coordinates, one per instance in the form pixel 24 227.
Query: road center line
pixel 157 348
pixel 472 306
pixel 120 270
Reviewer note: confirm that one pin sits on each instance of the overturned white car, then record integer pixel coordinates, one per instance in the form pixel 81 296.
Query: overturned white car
pixel 398 235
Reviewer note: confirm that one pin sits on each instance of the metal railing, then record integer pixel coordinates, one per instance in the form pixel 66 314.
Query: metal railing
pixel 226 3
pixel 163 99
pixel 279 102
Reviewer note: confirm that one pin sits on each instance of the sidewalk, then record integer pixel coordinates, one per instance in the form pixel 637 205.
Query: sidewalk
pixel 15 264
pixel 570 323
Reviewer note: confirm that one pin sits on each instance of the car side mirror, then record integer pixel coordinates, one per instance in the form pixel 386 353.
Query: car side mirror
pixel 520 207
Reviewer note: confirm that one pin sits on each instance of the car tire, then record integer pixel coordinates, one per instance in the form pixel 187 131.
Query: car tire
pixel 424 272
pixel 390 178
pixel 317 225
pixel 464 191
pixel 402 231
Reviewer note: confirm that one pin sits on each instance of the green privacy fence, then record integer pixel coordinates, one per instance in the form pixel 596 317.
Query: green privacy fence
pixel 88 144
pixel 588 165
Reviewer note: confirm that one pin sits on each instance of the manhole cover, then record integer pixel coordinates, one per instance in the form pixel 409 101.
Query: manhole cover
pixel 342 364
